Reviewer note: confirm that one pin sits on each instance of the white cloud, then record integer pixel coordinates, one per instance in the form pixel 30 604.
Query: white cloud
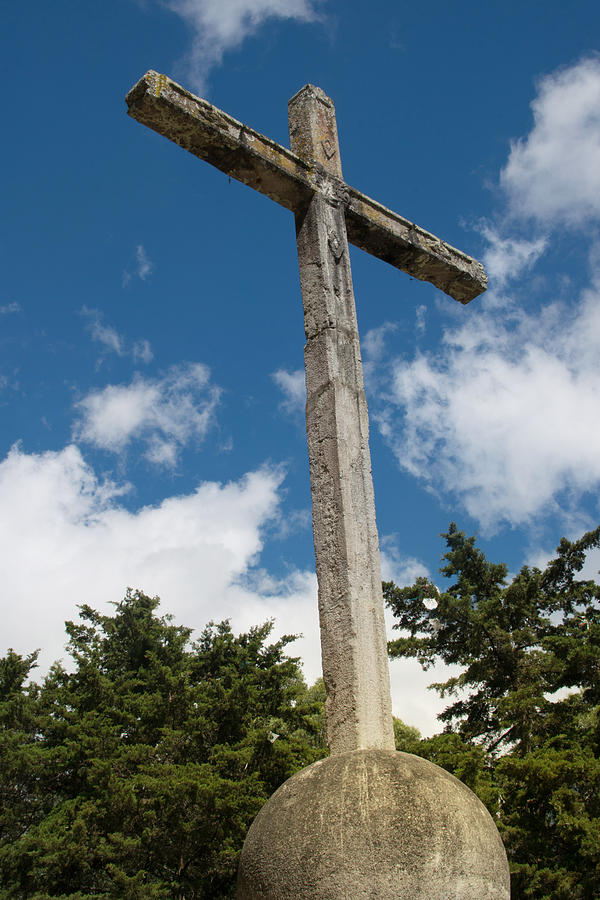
pixel 504 415
pixel 402 570
pixel 553 174
pixel 219 26
pixel 165 414
pixel 107 336
pixel 142 351
pixel 8 308
pixel 373 342
pixel 142 267
pixel 373 346
pixel 67 539
pixel 112 341
pixel 508 258
pixel 293 387
pixel 412 701
pixel 292 522
pixel 591 568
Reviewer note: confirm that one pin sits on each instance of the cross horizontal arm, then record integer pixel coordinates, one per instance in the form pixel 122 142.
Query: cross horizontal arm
pixel 273 170
pixel 390 237
pixel 212 135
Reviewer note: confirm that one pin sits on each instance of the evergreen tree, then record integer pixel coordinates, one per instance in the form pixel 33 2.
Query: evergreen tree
pixel 138 774
pixel 525 706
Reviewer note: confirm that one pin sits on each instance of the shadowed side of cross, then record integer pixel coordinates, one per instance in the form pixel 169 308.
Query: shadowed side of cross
pixel 308 180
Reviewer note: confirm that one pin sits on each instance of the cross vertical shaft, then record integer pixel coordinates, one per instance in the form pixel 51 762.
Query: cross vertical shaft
pixel 307 179
pixel 353 639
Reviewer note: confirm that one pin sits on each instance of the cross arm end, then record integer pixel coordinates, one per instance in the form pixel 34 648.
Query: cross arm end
pixel 389 236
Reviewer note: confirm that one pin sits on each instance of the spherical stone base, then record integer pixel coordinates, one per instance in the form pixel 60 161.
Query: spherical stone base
pixel 373 824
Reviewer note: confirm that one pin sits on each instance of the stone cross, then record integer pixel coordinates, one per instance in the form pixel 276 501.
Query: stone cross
pixel 307 179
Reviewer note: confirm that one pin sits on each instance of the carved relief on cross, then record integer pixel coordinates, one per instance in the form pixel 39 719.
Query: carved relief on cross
pixel 307 179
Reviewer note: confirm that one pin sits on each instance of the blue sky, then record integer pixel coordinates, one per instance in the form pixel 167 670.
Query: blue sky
pixel 151 387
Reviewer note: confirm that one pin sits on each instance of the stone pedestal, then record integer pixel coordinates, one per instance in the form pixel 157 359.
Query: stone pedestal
pixel 373 824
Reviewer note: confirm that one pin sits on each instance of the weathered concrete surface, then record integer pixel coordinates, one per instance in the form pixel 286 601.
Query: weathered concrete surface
pixel 373 824
pixel 250 157
pixel 353 638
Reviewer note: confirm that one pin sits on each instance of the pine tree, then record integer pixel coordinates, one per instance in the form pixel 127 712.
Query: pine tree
pixel 141 770
pixel 526 701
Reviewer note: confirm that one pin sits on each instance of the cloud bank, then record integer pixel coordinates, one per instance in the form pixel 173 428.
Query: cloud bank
pixel 67 538
pixel 503 413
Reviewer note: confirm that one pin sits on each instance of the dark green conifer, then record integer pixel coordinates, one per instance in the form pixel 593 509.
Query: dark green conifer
pixel 522 729
pixel 137 774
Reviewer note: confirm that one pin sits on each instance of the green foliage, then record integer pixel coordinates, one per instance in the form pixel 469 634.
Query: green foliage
pixel 406 737
pixel 137 774
pixel 465 761
pixel 525 705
